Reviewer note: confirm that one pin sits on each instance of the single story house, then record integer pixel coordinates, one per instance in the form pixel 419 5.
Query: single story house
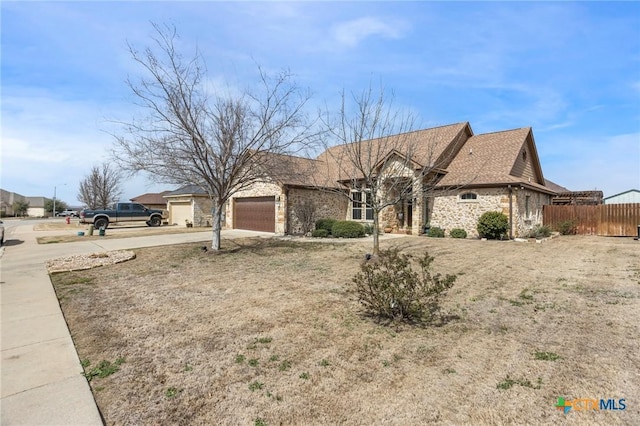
pixel 189 204
pixel 152 200
pixel 7 199
pixel 36 206
pixel 467 175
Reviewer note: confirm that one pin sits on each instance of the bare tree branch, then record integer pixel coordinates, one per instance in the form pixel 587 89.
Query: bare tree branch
pixel 372 150
pixel 215 142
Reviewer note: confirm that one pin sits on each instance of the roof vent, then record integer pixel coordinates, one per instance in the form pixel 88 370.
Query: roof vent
pixel 470 151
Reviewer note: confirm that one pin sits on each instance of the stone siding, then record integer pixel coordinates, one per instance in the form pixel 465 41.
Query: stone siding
pixel 450 212
pixel 202 208
pixel 524 221
pixel 326 204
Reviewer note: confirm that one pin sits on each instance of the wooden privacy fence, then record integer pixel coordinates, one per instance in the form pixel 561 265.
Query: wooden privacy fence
pixel 611 220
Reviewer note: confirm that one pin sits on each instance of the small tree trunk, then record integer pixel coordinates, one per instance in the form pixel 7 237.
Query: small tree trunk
pixel 376 239
pixel 217 220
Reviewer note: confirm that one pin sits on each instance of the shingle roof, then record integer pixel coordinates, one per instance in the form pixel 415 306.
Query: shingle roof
pixel 490 158
pixel 466 159
pixel 434 147
pixel 151 198
pixel 291 170
pixel 555 187
pixel 187 190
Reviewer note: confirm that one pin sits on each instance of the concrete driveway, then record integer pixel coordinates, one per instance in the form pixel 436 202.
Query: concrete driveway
pixel 40 377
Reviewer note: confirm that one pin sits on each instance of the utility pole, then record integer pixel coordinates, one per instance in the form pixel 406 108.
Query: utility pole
pixel 53 213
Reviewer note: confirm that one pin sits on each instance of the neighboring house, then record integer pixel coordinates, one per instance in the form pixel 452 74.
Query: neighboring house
pixel 626 197
pixel 152 200
pixel 189 204
pixel 6 202
pixel 36 206
pixel 497 171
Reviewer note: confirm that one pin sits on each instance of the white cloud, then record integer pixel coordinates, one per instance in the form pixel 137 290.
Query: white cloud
pixel 352 33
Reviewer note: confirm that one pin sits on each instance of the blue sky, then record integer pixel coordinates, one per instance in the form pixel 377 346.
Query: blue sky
pixel 571 71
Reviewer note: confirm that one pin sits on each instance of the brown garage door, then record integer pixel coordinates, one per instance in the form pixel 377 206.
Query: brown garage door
pixel 255 214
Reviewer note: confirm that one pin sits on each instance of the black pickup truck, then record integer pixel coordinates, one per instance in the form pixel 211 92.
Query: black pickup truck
pixel 122 212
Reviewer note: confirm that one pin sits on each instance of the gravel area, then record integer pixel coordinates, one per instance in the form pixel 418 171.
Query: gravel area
pixel 88 261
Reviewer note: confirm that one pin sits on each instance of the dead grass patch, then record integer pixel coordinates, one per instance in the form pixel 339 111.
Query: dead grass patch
pixel 270 331
pixel 111 233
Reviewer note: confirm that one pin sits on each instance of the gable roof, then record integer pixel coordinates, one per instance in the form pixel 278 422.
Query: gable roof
pixel 500 158
pixel 151 198
pixel 434 147
pixel 466 160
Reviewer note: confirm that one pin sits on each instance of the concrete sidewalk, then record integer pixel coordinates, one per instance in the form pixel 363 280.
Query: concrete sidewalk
pixel 40 377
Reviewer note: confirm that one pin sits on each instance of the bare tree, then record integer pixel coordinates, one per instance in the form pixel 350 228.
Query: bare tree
pixel 101 187
pixel 191 136
pixel 374 153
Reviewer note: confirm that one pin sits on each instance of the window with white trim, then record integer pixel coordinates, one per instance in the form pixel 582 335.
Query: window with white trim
pixel 359 208
pixel 468 196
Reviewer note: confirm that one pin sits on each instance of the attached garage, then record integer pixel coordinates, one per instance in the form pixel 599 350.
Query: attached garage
pixel 180 212
pixel 255 214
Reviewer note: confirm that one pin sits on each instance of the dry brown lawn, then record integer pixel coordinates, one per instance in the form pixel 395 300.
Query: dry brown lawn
pixel 270 334
pixel 112 232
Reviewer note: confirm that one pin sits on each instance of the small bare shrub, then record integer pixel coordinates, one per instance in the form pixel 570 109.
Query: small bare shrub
pixel 305 212
pixel 388 287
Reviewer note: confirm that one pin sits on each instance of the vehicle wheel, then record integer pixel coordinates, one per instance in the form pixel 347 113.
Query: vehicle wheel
pixel 101 223
pixel 155 221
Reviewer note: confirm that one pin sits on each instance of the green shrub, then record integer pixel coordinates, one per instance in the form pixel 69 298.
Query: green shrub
pixel 493 225
pixel 458 233
pixel 320 233
pixel 347 229
pixel 368 229
pixel 388 287
pixel 325 223
pixel 568 227
pixel 435 232
pixel 540 231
